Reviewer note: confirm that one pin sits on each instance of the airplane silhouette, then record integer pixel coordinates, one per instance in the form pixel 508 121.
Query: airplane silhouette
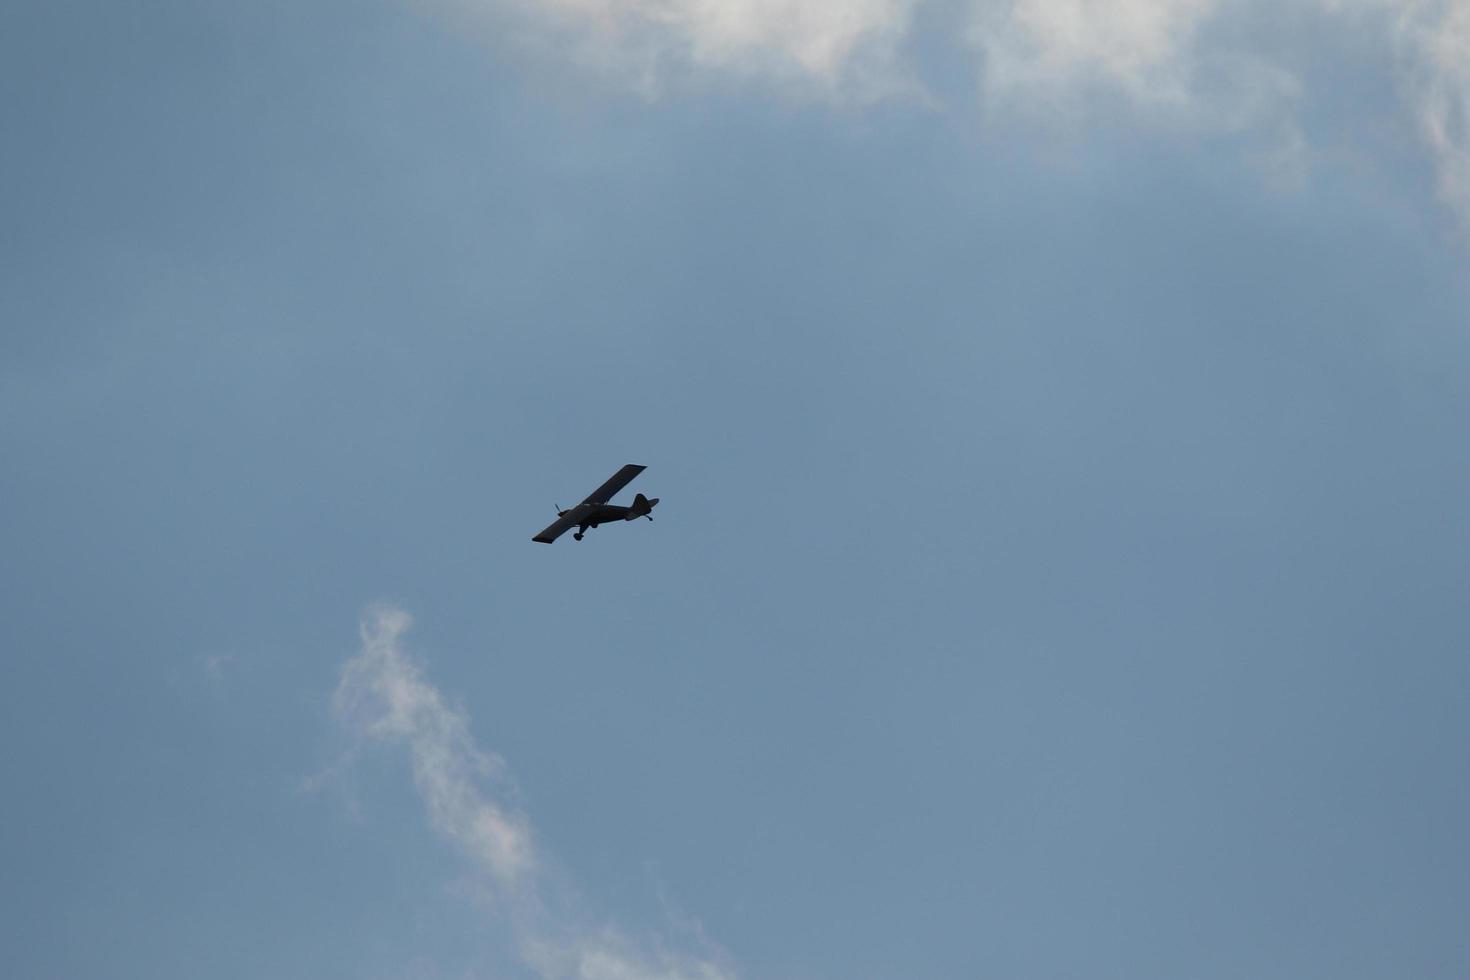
pixel 596 510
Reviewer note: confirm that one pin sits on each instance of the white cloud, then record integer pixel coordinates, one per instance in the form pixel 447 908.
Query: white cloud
pixel 1432 44
pixel 1045 57
pixel 1435 39
pixel 383 696
pixel 607 954
pixel 841 49
pixel 1052 48
pixel 1181 64
pixel 1074 64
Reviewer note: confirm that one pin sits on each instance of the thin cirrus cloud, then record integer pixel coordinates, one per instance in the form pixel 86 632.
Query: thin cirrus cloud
pixel 1055 47
pixel 383 697
pixel 1045 52
pixel 1046 59
pixel 1031 57
pixel 837 49
pixel 1435 34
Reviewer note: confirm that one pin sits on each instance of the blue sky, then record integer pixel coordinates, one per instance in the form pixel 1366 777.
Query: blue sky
pixel 1058 412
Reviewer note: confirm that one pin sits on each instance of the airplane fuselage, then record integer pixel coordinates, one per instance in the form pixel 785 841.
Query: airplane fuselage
pixel 591 515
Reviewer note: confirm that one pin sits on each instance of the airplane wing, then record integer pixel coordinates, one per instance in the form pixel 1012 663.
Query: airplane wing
pixel 614 483
pixel 561 526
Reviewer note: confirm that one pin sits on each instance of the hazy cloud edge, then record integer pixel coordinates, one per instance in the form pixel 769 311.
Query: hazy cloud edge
pixel 383 697
pixel 1035 57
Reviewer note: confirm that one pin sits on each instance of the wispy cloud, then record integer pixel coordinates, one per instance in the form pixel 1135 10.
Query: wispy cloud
pixel 1050 49
pixel 384 697
pixel 839 49
pixel 1435 38
pixel 1182 65
pixel 1047 56
pixel 1163 62
pixel 1431 41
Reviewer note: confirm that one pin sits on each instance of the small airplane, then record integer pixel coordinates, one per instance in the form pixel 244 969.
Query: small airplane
pixel 596 510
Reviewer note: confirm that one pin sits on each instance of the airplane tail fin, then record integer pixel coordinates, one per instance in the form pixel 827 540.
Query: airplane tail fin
pixel 641 507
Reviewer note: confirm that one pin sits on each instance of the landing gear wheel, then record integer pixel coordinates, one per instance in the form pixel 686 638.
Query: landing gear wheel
pixel 577 536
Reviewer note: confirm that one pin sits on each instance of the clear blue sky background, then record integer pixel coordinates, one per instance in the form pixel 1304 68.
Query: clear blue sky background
pixel 1062 563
